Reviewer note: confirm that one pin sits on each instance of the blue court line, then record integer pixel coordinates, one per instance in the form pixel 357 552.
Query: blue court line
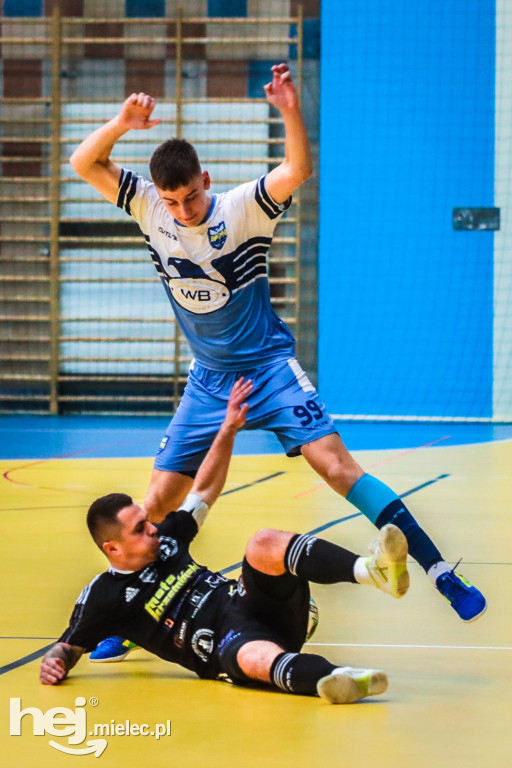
pixel 423 485
pixel 79 506
pixel 249 485
pixel 37 654
pixel 25 659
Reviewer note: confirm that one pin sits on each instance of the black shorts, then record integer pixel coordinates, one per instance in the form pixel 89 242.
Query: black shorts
pixel 273 608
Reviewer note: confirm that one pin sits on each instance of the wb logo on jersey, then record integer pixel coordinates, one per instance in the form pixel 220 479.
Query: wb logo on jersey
pixel 199 296
pixel 217 235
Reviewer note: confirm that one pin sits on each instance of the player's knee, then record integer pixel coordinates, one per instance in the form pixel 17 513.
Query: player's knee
pixel 263 542
pixel 263 539
pixel 335 470
pixel 342 473
pixel 265 550
pixel 259 544
pixel 247 660
pixel 255 659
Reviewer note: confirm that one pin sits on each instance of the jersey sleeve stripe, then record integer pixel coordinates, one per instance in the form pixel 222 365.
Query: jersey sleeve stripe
pixel 130 195
pixel 123 186
pixel 120 185
pixel 127 189
pixel 86 591
pixel 78 611
pixel 269 210
pixel 266 203
pixel 155 257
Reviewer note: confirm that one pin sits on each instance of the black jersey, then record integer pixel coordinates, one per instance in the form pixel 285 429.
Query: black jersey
pixel 173 607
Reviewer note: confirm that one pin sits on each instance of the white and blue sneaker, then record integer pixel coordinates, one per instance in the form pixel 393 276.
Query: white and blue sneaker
pixel 345 685
pixel 464 598
pixel 113 649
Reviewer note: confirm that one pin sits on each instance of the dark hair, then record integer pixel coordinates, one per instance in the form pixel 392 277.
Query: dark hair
pixel 102 516
pixel 174 164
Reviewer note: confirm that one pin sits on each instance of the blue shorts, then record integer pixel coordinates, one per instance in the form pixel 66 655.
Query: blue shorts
pixel 283 401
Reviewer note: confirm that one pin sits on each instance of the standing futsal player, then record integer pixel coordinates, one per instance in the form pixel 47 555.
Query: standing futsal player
pixel 210 253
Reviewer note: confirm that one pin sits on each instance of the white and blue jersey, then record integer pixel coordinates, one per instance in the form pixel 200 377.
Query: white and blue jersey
pixel 215 274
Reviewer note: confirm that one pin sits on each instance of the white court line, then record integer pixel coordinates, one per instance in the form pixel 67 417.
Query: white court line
pixel 444 647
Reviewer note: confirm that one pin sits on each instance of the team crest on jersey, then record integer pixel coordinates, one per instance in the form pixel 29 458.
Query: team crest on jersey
pixel 202 643
pixel 148 575
pixel 168 547
pixel 217 235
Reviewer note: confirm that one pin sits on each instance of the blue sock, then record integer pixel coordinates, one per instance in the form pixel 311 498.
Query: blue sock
pixel 381 505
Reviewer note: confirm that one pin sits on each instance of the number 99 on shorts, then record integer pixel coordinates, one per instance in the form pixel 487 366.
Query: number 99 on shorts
pixel 308 413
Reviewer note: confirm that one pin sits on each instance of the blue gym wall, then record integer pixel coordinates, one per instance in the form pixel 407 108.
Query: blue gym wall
pixel 407 133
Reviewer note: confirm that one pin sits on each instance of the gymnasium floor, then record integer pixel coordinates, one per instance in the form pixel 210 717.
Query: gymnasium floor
pixel 449 699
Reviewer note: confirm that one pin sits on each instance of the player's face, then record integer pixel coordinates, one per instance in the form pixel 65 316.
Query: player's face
pixel 189 204
pixel 138 541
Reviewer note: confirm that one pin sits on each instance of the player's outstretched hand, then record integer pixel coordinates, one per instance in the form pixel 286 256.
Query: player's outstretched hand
pixel 136 111
pixel 52 671
pixel 281 91
pixel 237 409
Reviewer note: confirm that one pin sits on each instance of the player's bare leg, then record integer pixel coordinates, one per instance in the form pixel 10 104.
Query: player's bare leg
pixel 166 492
pixel 329 457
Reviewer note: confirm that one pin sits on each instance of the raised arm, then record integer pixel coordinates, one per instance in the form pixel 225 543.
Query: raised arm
pixel 91 159
pixel 58 661
pixel 212 473
pixel 283 180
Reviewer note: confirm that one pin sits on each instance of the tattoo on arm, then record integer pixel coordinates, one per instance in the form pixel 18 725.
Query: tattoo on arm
pixel 68 654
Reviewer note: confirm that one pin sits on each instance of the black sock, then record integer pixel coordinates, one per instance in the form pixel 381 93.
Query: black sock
pixel 318 560
pixel 299 672
pixel 421 547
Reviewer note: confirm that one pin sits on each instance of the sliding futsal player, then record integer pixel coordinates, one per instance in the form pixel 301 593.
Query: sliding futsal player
pixel 251 631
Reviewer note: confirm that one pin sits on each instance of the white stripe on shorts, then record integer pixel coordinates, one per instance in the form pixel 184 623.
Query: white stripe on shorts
pixel 300 375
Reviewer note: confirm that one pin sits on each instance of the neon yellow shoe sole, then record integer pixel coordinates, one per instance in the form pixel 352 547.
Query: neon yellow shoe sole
pixel 388 564
pixel 346 685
